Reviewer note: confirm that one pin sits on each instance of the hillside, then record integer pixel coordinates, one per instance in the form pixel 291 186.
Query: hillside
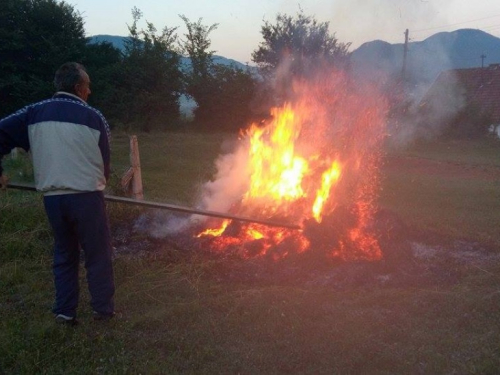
pixel 380 60
pixel 426 59
pixel 187 104
pixel 119 42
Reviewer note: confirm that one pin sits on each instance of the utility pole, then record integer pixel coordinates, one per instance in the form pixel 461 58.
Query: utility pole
pixel 405 55
pixel 483 56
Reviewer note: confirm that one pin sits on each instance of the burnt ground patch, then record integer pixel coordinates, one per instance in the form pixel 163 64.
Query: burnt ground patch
pixel 411 259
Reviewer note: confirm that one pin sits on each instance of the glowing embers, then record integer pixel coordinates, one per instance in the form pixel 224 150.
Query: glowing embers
pixel 315 162
pixel 252 240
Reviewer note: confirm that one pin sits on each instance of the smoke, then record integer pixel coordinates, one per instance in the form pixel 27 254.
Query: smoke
pixel 414 113
pixel 219 194
pixel 428 116
pixel 230 181
pixel 359 21
pixel 160 224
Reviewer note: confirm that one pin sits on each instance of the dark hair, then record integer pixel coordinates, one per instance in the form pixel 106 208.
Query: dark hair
pixel 67 76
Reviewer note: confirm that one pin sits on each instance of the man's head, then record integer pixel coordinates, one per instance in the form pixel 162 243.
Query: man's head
pixel 73 78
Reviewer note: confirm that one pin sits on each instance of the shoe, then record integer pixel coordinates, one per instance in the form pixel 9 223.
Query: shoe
pixel 67 320
pixel 103 317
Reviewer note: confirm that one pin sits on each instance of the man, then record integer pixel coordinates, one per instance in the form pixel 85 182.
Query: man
pixel 69 144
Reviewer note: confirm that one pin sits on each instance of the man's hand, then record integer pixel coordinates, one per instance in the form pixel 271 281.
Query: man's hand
pixel 3 182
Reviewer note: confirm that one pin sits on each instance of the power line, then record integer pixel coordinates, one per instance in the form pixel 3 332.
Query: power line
pixel 454 24
pixel 493 27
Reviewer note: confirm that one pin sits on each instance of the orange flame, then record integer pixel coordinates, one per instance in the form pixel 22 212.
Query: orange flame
pixel 316 154
pixel 329 178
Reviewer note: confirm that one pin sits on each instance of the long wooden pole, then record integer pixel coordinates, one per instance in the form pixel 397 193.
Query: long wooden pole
pixel 171 207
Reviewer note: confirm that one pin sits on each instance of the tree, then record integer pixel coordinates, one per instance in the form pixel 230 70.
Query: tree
pixel 150 82
pixel 104 64
pixel 231 91
pixel 198 78
pixel 223 93
pixel 300 42
pixel 37 37
pixel 196 46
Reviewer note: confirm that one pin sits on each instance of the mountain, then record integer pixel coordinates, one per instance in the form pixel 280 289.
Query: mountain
pixel 186 103
pixel 379 60
pixel 119 42
pixel 426 59
pixel 116 41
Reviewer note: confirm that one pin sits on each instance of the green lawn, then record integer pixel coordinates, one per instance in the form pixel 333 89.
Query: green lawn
pixel 180 314
pixel 453 188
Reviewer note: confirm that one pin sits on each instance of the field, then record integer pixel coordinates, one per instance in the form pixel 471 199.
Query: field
pixel 433 309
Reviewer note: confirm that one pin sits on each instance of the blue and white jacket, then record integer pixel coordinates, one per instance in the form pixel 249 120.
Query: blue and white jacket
pixel 68 140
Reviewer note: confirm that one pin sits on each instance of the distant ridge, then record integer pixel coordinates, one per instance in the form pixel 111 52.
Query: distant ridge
pixel 426 59
pixel 186 103
pixel 116 41
pixel 119 42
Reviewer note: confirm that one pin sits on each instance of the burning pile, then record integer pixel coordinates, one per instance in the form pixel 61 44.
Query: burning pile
pixel 314 162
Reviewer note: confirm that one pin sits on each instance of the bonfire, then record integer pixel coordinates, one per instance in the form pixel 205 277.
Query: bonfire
pixel 314 162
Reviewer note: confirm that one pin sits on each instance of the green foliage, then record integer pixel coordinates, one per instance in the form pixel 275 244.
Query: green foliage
pixel 223 94
pixel 198 79
pixel 229 93
pixel 300 42
pixel 139 88
pixel 37 37
pixel 150 82
pixel 103 63
pixel 196 45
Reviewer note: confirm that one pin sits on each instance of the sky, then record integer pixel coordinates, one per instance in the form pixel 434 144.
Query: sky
pixel 240 21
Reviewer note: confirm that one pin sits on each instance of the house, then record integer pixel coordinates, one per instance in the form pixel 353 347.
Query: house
pixel 457 89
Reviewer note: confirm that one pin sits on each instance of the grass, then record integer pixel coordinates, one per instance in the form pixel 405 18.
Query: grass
pixel 457 192
pixel 469 152
pixel 178 315
pixel 470 208
pixel 173 163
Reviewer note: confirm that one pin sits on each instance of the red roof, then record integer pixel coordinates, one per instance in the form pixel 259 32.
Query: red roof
pixel 480 86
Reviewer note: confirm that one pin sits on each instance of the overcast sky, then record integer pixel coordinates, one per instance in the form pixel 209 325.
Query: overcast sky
pixel 240 21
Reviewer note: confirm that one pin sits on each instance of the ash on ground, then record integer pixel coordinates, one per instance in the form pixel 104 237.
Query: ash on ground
pixel 409 259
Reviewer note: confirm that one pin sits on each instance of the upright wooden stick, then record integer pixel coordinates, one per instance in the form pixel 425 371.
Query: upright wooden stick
pixel 135 162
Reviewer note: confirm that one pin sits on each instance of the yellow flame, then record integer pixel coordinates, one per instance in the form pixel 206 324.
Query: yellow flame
pixel 329 178
pixel 277 172
pixel 255 234
pixel 216 231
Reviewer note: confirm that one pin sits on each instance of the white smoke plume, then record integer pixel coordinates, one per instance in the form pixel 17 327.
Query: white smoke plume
pixel 219 195
pixel 230 182
pixel 359 21
pixel 426 117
